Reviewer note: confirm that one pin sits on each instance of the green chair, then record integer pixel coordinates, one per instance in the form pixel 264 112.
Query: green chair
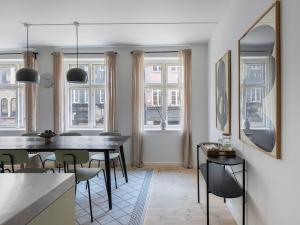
pixel 113 156
pixel 75 157
pixel 32 154
pixel 51 157
pixel 14 157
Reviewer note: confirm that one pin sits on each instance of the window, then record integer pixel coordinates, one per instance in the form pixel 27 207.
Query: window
pixel 162 93
pixel 156 97
pixel 86 102
pixel 4 107
pixel 173 97
pixel 13 107
pixel 12 101
pixel 255 85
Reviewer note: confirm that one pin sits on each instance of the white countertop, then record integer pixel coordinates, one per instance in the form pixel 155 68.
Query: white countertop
pixel 24 196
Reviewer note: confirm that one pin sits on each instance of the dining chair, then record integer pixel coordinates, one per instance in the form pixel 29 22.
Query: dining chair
pixel 14 157
pixel 75 157
pixel 34 154
pixel 51 157
pixel 112 156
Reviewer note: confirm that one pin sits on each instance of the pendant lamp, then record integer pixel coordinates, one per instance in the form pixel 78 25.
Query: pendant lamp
pixel 76 75
pixel 27 75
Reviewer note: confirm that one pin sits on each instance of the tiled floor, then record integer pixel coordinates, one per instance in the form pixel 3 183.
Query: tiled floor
pixel 124 199
pixel 172 200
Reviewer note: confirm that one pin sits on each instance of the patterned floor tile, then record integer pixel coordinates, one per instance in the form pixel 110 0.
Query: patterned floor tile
pixel 128 200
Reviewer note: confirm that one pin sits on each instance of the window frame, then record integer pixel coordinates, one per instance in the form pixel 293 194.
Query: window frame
pixel 262 60
pixel 20 115
pixel 164 86
pixel 90 97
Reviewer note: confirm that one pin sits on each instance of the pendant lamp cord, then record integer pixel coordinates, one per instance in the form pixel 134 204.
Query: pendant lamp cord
pixel 27 37
pixel 27 43
pixel 76 25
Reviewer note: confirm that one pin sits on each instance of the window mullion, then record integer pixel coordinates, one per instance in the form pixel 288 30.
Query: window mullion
pixel 91 107
pixel 17 108
pixel 164 74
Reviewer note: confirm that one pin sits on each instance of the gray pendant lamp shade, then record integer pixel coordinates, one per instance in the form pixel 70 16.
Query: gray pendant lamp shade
pixel 27 75
pixel 77 75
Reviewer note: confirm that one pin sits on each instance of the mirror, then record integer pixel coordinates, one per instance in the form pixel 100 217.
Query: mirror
pixel 259 84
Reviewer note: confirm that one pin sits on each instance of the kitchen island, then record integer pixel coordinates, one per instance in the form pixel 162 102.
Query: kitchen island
pixel 37 199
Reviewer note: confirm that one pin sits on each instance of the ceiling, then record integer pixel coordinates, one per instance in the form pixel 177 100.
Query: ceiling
pixel 15 12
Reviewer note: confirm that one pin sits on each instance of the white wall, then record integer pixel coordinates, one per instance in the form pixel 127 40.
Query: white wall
pixel 273 186
pixel 160 147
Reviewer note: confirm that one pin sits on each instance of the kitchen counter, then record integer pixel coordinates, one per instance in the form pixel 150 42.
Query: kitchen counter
pixel 24 196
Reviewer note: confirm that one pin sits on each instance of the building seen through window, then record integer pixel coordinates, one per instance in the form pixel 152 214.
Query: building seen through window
pixel 162 94
pixel 86 105
pixel 254 88
pixel 12 100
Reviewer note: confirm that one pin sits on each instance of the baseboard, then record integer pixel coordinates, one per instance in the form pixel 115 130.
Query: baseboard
pixel 163 164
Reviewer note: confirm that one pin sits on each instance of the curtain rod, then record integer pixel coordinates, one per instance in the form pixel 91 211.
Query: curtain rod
pixel 15 53
pixel 126 23
pixel 85 53
pixel 153 52
pixel 18 53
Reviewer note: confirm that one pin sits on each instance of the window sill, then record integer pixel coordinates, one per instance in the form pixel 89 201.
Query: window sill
pixel 85 129
pixel 11 129
pixel 159 130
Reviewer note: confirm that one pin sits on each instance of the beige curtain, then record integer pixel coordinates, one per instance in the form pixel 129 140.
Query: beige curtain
pixel 110 94
pixel 58 91
pixel 30 94
pixel 137 107
pixel 185 61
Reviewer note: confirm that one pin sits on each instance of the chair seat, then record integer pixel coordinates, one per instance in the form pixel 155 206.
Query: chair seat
pixel 84 174
pixel 100 156
pixel 51 157
pixel 31 155
pixel 32 170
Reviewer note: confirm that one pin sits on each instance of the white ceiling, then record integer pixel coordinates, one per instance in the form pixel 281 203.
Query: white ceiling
pixel 15 12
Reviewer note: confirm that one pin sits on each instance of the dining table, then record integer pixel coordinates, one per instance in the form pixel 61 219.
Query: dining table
pixel 105 144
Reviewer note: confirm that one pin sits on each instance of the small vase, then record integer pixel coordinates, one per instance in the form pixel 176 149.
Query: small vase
pixel 163 125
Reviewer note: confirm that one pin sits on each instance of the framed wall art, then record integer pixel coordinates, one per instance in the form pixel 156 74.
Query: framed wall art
pixel 223 93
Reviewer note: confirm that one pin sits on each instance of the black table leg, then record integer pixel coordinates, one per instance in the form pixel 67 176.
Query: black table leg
pixel 108 178
pixel 123 162
pixel 207 192
pixel 244 192
pixel 198 185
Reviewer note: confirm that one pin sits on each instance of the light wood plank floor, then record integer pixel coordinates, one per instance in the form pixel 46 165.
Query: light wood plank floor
pixel 173 200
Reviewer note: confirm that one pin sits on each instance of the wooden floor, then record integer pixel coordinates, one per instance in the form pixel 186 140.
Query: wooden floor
pixel 173 201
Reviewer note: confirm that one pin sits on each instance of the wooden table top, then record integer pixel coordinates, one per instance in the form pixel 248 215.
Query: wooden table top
pixel 90 143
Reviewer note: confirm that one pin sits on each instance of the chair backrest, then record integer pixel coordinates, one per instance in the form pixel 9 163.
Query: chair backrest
pixel 13 156
pixel 68 156
pixel 70 134
pixel 30 134
pixel 110 134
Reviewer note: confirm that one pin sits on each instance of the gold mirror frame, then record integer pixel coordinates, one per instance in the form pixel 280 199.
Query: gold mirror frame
pixel 276 153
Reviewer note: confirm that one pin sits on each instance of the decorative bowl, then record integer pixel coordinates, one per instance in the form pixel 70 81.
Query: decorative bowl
pixel 47 135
